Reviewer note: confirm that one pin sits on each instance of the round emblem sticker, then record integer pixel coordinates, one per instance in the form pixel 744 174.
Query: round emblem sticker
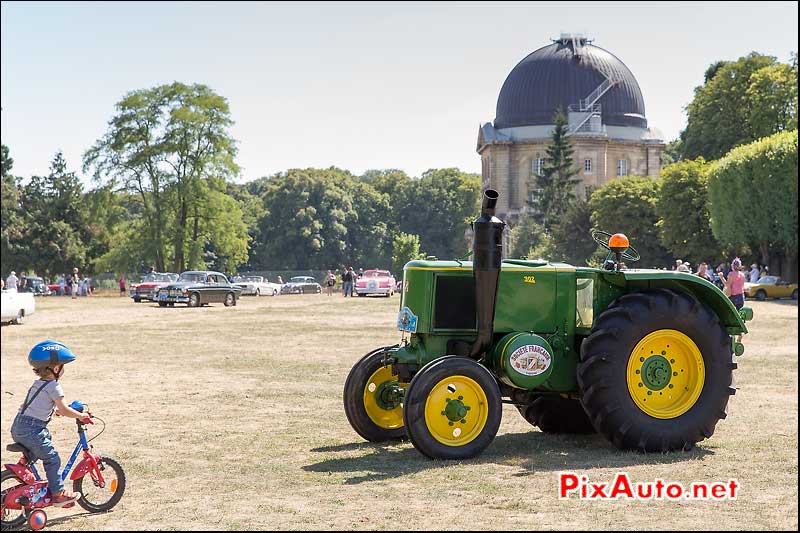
pixel 530 359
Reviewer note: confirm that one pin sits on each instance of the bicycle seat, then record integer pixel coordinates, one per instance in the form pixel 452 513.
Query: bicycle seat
pixel 16 447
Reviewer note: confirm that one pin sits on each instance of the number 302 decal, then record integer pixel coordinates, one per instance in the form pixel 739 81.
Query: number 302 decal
pixel 529 279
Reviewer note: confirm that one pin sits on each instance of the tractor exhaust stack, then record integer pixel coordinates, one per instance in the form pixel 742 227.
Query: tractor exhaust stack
pixel 487 253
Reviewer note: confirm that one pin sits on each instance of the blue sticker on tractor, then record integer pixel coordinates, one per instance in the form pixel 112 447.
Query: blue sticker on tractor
pixel 406 320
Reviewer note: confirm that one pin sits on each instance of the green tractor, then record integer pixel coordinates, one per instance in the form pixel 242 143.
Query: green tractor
pixel 644 357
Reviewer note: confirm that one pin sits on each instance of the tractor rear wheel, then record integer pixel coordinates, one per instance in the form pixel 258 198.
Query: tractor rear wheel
pixel 556 415
pixel 656 371
pixel 369 399
pixel 452 408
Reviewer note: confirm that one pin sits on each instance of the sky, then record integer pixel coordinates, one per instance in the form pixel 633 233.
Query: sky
pixel 354 85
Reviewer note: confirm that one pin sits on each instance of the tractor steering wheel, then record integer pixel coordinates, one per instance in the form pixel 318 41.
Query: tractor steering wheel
pixel 602 237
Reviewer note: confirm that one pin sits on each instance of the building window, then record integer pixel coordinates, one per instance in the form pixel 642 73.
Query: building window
pixel 622 167
pixel 587 166
pixel 536 167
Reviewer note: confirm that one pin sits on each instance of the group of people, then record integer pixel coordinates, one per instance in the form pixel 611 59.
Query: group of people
pixel 349 278
pixel 74 284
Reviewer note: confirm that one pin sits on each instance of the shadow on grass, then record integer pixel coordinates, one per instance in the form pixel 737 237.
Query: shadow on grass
pixel 67 519
pixel 532 452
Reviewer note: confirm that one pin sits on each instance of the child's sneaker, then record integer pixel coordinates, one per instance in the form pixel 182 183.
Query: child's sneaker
pixel 64 498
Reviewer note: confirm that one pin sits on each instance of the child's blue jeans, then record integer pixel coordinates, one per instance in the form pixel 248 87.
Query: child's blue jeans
pixel 34 435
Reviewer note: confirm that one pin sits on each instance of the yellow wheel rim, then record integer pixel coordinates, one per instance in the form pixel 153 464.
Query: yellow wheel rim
pixel 376 409
pixel 456 411
pixel 665 374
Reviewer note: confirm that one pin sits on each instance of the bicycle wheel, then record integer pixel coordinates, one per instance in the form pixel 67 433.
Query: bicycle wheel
pixel 9 518
pixel 95 498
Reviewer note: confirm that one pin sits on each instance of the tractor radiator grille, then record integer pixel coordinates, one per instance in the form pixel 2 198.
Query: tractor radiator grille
pixel 455 303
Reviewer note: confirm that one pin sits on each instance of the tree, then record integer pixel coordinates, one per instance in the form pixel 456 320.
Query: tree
pixel 557 181
pixel 321 217
pixel 438 207
pixel 55 220
pixel 405 248
pixel 682 207
pixel 527 234
pixel 571 236
pixel 170 145
pixel 11 220
pixel 739 102
pixel 773 96
pixel 752 195
pixel 628 205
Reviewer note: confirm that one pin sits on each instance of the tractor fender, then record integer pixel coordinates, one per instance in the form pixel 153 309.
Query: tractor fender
pixel 703 290
pixel 85 466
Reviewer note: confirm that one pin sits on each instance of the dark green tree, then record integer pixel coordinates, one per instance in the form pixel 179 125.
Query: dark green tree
pixel 628 205
pixel 571 236
pixel 752 195
pixel 558 177
pixel 12 228
pixel 438 207
pixel 682 207
pixel 726 112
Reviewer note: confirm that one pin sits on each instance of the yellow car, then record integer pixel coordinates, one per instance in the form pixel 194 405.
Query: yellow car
pixel 770 287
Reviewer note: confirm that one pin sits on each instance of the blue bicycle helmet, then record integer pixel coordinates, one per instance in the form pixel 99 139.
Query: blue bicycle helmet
pixel 49 354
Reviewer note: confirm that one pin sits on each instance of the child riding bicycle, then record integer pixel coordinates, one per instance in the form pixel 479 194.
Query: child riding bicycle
pixel 43 399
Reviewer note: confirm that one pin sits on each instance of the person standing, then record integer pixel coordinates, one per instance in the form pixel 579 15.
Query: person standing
pixel 330 281
pixel 122 285
pixel 736 285
pixel 73 283
pixel 11 281
pixel 754 273
pixel 347 282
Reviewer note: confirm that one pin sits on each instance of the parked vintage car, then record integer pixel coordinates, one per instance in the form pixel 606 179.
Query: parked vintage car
pixel 301 285
pixel 376 282
pixel 199 287
pixel 148 287
pixel 37 286
pixel 770 287
pixel 15 306
pixel 256 285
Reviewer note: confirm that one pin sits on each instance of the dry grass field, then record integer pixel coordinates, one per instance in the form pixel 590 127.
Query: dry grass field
pixel 232 418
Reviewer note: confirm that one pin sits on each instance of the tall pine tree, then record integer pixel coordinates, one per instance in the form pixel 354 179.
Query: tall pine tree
pixel 557 181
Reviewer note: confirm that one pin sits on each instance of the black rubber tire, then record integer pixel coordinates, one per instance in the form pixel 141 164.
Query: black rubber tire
pixel 137 300
pixel 20 318
pixel 794 294
pixel 258 292
pixel 361 294
pixel 761 295
pixel 417 395
pixel 602 371
pixel 556 415
pixel 20 520
pixel 230 299
pixel 194 300
pixel 162 304
pixel 77 485
pixel 354 400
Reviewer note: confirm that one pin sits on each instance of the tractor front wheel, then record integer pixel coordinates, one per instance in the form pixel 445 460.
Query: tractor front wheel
pixel 371 403
pixel 556 415
pixel 656 371
pixel 452 408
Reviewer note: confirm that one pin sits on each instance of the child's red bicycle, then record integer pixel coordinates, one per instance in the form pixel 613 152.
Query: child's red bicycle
pixel 98 478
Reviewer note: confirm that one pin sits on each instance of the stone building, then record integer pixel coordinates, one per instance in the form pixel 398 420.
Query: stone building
pixel 607 124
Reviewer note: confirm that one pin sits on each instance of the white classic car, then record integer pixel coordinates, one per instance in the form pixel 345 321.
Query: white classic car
pixel 256 285
pixel 15 306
